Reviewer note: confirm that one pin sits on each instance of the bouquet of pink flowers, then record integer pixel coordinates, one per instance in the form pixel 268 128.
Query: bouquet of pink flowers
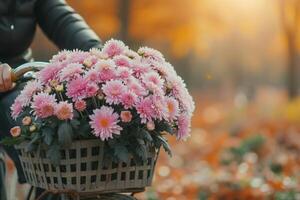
pixel 125 98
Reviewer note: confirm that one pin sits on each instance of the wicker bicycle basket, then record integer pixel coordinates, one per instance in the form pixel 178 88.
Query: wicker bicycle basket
pixel 83 169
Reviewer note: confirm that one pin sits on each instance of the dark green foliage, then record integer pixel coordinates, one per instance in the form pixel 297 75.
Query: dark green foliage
pixel 288 195
pixel 53 153
pixel 251 144
pixel 276 168
pixel 48 135
pixel 65 134
pixel 161 141
pixel 9 141
pixel 121 153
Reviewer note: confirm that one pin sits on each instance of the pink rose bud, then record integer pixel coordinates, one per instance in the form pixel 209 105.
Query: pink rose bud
pixel 126 116
pixel 150 126
pixel 15 131
pixel 26 121
pixel 80 105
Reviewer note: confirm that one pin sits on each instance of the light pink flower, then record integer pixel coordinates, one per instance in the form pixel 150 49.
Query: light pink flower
pixel 90 61
pixel 113 90
pixel 43 105
pixel 135 86
pixel 64 110
pixel 145 109
pixel 173 108
pixel 80 105
pixel 152 78
pixel 77 56
pixel 29 90
pixel 114 47
pixel 104 123
pixel 92 75
pixel 159 106
pixel 150 53
pixel 71 71
pixel 16 109
pixel 126 116
pixel 122 61
pixel 140 68
pixel 60 57
pixel 184 124
pixel 164 69
pixel 106 70
pixel 50 72
pixel 92 89
pixel 76 88
pixel 128 99
pixel 124 73
pixel 132 54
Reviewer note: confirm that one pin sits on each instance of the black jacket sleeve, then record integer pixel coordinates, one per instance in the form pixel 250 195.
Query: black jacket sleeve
pixel 64 26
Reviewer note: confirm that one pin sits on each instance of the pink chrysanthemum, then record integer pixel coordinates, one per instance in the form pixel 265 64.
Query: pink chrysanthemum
pixel 60 57
pixel 76 88
pixel 92 76
pixel 16 109
pixel 135 86
pixel 50 72
pixel 80 105
pixel 43 105
pixel 152 78
pixel 140 68
pixel 106 69
pixel 150 53
pixel 91 90
pixel 77 56
pixel 71 71
pixel 64 111
pixel 29 90
pixel 145 109
pixel 164 69
pixel 159 106
pixel 122 61
pixel 124 73
pixel 104 123
pixel 172 107
pixel 132 54
pixel 114 47
pixel 113 90
pixel 128 99
pixel 184 126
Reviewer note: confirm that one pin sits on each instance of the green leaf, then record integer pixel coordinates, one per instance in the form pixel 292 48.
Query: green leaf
pixel 164 126
pixel 65 134
pixel 141 150
pixel 48 134
pixel 54 155
pixel 122 153
pixel 165 144
pixel 146 135
pixel 75 123
pixel 9 141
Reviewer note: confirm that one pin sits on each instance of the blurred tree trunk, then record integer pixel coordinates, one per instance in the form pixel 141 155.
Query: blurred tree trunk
pixel 289 15
pixel 124 15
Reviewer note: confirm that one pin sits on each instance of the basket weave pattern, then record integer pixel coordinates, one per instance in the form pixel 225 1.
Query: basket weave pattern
pixel 82 169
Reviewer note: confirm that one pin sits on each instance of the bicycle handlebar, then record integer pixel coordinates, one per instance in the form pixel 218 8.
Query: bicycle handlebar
pixel 18 72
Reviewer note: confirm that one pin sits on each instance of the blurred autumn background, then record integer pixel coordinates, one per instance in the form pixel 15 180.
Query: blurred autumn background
pixel 240 60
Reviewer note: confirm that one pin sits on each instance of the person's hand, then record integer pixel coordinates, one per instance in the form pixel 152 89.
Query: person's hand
pixel 6 83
